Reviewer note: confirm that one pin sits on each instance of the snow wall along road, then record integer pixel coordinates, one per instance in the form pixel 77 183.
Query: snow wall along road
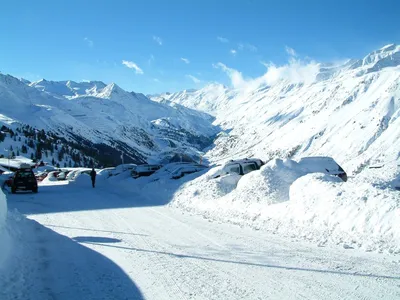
pixel 4 238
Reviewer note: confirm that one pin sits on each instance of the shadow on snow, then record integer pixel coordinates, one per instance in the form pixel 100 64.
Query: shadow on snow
pixel 56 267
pixel 106 195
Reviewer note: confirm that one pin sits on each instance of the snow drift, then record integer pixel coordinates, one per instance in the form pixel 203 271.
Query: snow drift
pixel 283 199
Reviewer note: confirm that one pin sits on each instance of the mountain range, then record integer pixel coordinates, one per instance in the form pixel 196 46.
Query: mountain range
pixel 347 110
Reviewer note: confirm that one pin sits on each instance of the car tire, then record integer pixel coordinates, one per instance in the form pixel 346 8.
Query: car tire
pixel 13 190
pixel 35 190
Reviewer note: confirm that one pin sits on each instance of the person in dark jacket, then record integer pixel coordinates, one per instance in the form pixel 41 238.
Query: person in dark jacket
pixel 93 176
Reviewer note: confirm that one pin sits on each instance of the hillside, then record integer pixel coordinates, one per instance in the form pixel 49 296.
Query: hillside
pixel 348 111
pixel 106 118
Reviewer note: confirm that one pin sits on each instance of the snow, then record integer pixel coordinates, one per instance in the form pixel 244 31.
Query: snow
pixel 105 243
pixel 4 238
pixel 104 114
pixel 281 198
pixel 15 162
pixel 316 236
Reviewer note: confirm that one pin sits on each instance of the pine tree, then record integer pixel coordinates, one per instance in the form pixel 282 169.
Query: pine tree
pixel 53 162
pixel 65 164
pixel 17 152
pixel 32 157
pixel 24 149
pixel 31 144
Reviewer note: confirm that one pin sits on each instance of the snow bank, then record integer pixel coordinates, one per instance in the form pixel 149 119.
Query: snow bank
pixel 4 238
pixel 82 180
pixel 357 214
pixel 283 199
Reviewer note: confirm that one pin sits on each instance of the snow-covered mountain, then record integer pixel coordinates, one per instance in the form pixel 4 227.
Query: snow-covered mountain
pixel 210 99
pixel 106 114
pixel 348 111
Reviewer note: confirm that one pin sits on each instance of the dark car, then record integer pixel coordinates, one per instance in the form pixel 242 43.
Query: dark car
pixel 24 179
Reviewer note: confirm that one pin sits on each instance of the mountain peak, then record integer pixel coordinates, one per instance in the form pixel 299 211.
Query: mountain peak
pixel 389 47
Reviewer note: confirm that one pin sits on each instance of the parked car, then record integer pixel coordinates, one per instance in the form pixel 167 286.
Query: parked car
pixel 190 168
pixel 62 175
pixel 40 176
pixel 52 176
pixel 71 174
pixel 144 170
pixel 81 171
pixel 240 167
pixel 177 170
pixel 106 171
pixel 122 168
pixel 322 164
pixel 24 179
pixel 8 178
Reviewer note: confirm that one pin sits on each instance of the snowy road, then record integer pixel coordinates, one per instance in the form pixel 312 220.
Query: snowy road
pixel 96 244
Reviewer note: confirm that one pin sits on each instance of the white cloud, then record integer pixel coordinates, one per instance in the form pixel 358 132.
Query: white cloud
pixel 222 39
pixel 132 65
pixel 89 42
pixel 251 48
pixel 248 47
pixel 195 79
pixel 290 51
pixel 156 80
pixel 185 60
pixel 158 40
pixel 233 52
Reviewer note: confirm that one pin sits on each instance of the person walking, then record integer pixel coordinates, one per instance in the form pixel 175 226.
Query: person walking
pixel 93 177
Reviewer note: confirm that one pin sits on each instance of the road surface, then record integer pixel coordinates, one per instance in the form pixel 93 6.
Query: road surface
pixel 84 243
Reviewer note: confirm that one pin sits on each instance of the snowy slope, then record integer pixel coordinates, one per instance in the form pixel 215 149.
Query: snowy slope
pixel 67 88
pixel 106 114
pixel 210 99
pixel 348 111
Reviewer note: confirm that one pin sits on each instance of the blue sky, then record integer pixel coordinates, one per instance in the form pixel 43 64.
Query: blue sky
pixel 173 45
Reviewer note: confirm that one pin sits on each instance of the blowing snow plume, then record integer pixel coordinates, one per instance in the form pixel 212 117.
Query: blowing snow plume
pixel 295 71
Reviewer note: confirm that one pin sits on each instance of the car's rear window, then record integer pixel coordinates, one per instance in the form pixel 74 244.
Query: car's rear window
pixel 25 174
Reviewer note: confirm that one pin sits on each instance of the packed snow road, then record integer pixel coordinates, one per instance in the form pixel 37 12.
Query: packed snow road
pixel 84 243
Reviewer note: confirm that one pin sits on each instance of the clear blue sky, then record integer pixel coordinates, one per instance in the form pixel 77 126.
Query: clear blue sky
pixel 89 40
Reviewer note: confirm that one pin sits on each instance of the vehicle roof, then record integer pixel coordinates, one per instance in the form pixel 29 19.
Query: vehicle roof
pixel 243 161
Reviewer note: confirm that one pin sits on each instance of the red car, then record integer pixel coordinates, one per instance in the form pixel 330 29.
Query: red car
pixel 9 181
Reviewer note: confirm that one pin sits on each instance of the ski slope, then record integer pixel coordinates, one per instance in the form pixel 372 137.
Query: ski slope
pixel 75 242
